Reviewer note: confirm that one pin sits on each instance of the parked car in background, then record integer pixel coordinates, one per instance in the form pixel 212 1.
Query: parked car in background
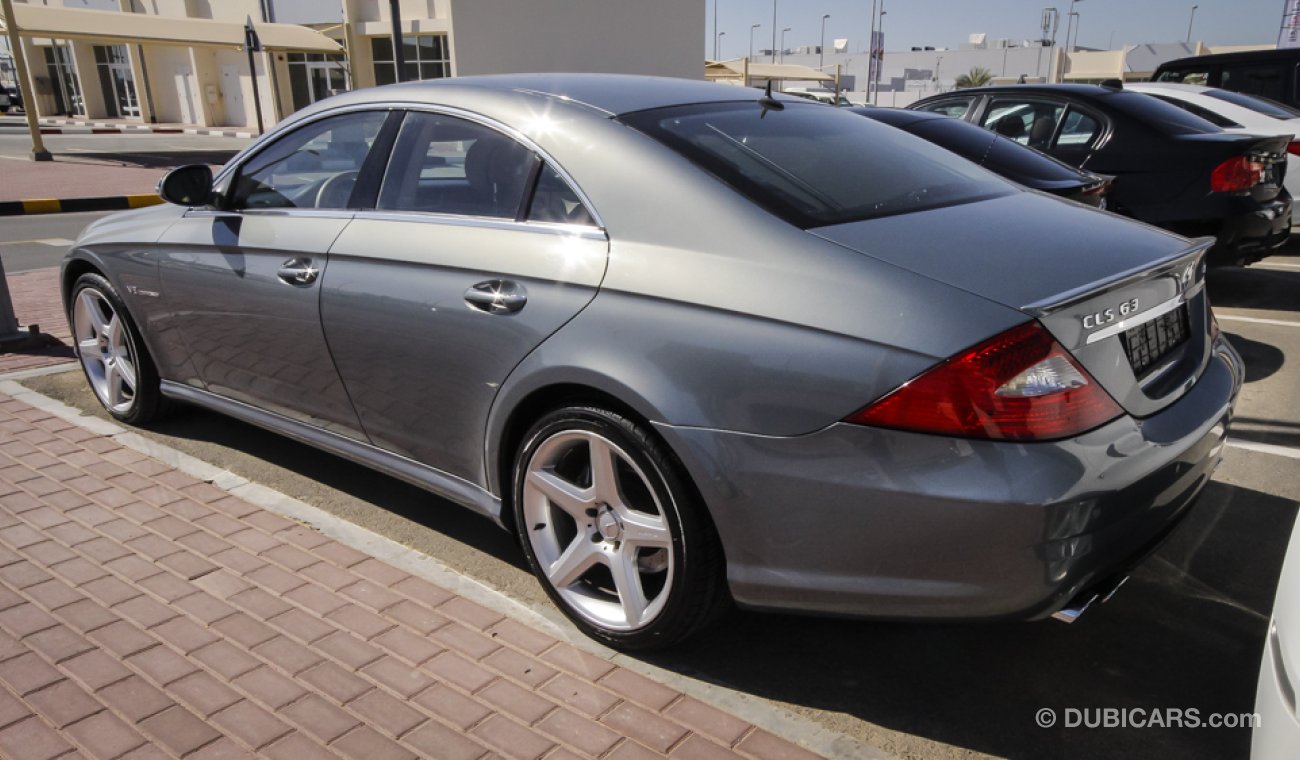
pixel 818 94
pixel 1172 169
pixel 1235 112
pixel 996 153
pixel 690 343
pixel 10 98
pixel 1278 733
pixel 1268 73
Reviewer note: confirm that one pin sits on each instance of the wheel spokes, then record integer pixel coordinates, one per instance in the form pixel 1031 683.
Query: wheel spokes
pixel 579 557
pixel 627 581
pixel 641 529
pixel 604 474
pixel 90 307
pixel 575 501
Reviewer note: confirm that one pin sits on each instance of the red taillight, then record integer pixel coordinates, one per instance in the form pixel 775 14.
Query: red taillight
pixel 1020 385
pixel 1293 148
pixel 1101 188
pixel 1236 174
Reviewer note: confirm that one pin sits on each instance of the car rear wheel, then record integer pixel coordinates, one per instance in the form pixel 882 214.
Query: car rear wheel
pixel 112 355
pixel 614 531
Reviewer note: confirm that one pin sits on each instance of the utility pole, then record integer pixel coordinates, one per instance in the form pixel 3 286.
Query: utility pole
pixel 783 31
pixel 1190 21
pixel 717 46
pixel 253 44
pixel 871 52
pixel 716 43
pixel 399 54
pixel 39 153
pixel 752 27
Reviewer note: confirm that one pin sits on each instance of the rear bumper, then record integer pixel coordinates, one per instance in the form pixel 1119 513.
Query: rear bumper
pixel 1249 235
pixel 867 522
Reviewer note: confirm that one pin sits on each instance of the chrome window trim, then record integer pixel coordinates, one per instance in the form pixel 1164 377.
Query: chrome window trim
pixel 228 171
pixel 316 213
pixel 485 222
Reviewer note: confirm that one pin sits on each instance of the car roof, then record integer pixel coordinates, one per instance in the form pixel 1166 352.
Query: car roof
pixel 1241 56
pixel 611 94
pixel 1089 90
pixel 1169 86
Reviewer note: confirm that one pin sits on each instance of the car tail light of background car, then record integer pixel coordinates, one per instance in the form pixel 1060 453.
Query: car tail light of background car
pixel 1293 147
pixel 1237 174
pixel 1020 385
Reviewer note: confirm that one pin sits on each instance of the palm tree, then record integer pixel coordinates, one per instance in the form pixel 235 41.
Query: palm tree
pixel 978 77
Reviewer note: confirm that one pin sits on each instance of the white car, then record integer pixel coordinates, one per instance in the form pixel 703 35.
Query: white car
pixel 1277 734
pixel 1235 112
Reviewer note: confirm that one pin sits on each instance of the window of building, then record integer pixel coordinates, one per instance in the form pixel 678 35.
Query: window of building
pixel 117 82
pixel 426 57
pixel 315 76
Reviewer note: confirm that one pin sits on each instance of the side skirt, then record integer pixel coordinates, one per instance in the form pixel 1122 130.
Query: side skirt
pixel 435 481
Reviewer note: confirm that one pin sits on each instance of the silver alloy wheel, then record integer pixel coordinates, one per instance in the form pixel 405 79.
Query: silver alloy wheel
pixel 598 530
pixel 105 350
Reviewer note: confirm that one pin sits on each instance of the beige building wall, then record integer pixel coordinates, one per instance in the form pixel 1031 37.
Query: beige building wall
pixel 661 38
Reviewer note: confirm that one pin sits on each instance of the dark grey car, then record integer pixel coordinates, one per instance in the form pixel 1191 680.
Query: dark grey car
pixel 691 343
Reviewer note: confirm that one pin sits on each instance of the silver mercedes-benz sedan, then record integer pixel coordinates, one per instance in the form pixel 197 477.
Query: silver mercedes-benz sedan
pixel 693 343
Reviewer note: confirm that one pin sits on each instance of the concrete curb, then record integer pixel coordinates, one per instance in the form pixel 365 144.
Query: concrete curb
pixel 756 710
pixel 61 205
pixel 82 127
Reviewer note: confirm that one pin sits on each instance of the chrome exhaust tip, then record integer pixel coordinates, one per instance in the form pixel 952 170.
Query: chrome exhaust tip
pixel 1080 604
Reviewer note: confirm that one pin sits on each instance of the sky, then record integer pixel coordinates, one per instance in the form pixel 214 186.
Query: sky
pixel 948 23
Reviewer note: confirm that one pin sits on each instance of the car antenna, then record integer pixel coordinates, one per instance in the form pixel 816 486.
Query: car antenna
pixel 768 102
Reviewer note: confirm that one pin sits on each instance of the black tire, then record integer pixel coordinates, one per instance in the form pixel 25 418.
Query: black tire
pixel 695 584
pixel 145 403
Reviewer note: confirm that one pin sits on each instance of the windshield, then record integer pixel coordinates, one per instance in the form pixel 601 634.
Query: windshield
pixel 1255 103
pixel 816 166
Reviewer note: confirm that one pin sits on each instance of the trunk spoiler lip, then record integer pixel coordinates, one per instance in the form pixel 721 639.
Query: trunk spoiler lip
pixel 1184 263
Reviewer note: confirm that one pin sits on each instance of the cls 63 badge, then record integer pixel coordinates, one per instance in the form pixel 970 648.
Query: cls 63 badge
pixel 1106 316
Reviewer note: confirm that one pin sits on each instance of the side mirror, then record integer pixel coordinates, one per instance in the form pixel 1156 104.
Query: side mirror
pixel 187 185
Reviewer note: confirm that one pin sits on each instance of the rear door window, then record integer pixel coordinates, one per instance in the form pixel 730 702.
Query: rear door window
pixel 1027 121
pixel 954 107
pixel 446 165
pixel 1186 76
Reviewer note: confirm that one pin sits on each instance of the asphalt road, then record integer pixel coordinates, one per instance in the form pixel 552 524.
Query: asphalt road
pixel 36 242
pixel 1186 632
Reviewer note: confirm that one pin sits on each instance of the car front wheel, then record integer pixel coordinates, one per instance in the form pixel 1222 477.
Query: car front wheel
pixel 614 531
pixel 113 356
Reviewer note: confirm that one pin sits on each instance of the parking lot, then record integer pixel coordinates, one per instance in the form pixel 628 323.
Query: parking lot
pixel 1185 633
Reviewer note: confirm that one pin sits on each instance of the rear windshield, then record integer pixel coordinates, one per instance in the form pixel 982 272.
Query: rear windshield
pixel 815 166
pixel 1255 103
pixel 1217 120
pixel 1170 120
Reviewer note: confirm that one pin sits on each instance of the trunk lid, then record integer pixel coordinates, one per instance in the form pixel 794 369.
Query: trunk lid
pixel 1127 300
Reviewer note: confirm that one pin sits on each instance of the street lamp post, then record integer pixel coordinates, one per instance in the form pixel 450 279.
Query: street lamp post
pixel 752 27
pixel 773 31
pixel 783 31
pixel 1190 21
pixel 717 46
pixel 1071 23
pixel 1075 44
pixel 716 42
pixel 871 50
pixel 880 65
pixel 821 63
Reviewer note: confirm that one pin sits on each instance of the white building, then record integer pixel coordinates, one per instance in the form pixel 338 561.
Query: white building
pixel 185 61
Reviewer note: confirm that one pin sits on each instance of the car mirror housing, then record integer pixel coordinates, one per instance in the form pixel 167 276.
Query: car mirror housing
pixel 187 185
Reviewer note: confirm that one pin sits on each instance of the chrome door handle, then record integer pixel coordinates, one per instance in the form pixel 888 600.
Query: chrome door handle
pixel 497 296
pixel 298 272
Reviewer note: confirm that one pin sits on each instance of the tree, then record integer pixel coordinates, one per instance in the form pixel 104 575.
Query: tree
pixel 978 77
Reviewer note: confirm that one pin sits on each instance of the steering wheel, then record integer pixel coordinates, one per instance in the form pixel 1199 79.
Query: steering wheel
pixel 336 191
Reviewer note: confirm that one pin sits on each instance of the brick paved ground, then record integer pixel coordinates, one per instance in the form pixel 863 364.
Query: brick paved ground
pixel 36 300
pixel 144 613
pixel 69 177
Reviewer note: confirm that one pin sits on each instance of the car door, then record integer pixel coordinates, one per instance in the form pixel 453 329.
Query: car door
pixel 477 251
pixel 242 281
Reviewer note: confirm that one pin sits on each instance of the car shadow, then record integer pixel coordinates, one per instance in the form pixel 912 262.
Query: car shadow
pixel 1254 288
pixel 1186 632
pixel 1262 359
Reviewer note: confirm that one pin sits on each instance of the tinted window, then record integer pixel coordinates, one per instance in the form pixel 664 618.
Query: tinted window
pixel 999 154
pixel 1263 80
pixel 1204 113
pixel 445 165
pixel 1186 76
pixel 315 166
pixel 1028 122
pixel 956 108
pixel 1255 103
pixel 1170 120
pixel 1079 129
pixel 815 166
pixel 555 201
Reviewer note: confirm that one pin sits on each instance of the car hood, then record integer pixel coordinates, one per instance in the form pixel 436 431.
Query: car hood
pixel 1018 250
